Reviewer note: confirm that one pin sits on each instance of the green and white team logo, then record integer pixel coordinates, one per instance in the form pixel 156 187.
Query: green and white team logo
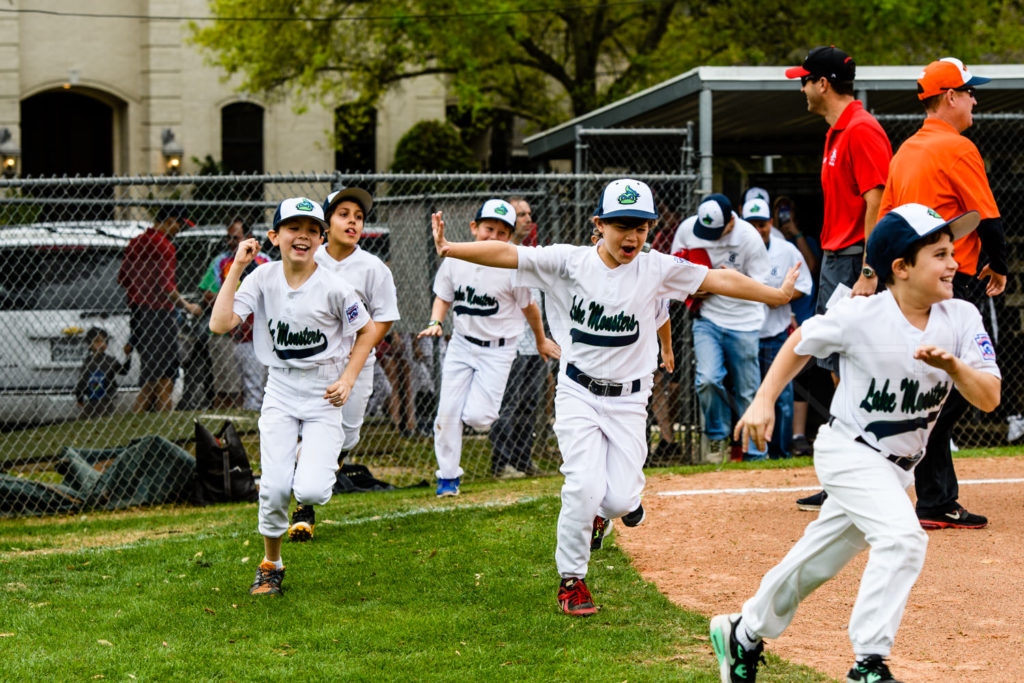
pixel 707 220
pixel 630 196
pixel 756 208
pixel 934 214
pixel 304 205
pixel 501 210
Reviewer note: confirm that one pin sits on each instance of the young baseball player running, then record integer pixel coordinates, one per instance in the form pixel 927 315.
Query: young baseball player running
pixel 900 353
pixel 345 211
pixel 312 331
pixel 487 323
pixel 608 296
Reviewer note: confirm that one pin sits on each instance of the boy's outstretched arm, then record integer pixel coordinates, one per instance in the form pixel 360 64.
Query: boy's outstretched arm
pixel 487 253
pixel 339 392
pixel 733 283
pixel 668 356
pixel 980 388
pixel 547 348
pixel 758 420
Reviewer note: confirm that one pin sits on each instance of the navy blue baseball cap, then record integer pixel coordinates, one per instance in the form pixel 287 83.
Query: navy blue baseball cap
pixel 897 231
pixel 713 214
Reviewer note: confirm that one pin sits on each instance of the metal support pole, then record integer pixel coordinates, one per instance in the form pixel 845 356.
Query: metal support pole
pixel 706 128
pixel 577 185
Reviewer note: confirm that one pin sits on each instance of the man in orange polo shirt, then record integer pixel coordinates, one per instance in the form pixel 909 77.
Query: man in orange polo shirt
pixel 940 168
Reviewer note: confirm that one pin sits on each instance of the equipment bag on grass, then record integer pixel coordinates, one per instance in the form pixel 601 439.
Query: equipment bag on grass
pixel 223 474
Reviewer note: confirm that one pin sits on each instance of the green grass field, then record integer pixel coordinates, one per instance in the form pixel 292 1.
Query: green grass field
pixel 396 586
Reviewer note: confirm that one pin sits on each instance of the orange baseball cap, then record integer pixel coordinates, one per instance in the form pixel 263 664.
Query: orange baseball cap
pixel 947 73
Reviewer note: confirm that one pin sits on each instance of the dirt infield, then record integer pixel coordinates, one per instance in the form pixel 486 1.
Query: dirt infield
pixel 963 622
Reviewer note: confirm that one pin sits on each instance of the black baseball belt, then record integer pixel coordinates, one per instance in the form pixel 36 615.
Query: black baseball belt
pixel 904 462
pixel 483 342
pixel 600 387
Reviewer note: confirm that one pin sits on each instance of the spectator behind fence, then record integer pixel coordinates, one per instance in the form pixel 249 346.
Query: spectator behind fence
pixel 96 390
pixel 940 168
pixel 512 434
pixel 147 274
pixel 781 257
pixel 238 376
pixel 726 335
pixel 853 171
pixel 488 311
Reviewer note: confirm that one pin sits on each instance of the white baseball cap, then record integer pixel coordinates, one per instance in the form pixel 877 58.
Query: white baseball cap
pixel 627 198
pixel 755 193
pixel 352 194
pixel 498 209
pixel 299 206
pixel 897 230
pixel 713 214
pixel 757 209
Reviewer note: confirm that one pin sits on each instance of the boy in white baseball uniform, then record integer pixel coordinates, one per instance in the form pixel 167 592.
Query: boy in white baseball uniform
pixel 313 333
pixel 488 319
pixel 609 297
pixel 900 353
pixel 781 257
pixel 345 212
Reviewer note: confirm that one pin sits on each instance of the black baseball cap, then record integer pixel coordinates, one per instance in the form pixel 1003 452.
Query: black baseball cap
pixel 827 61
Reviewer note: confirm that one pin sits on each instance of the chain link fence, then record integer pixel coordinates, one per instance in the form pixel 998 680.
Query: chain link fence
pixel 79 430
pixel 1000 139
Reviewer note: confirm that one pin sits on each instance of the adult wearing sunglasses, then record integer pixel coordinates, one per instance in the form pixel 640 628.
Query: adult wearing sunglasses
pixel 940 168
pixel 853 172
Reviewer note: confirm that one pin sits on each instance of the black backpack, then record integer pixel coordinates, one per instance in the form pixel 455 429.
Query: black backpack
pixel 223 474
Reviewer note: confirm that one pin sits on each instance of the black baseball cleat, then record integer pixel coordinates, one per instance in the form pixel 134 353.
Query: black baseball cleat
pixel 735 663
pixel 812 503
pixel 801 446
pixel 871 669
pixel 955 519
pixel 602 527
pixel 303 521
pixel 635 517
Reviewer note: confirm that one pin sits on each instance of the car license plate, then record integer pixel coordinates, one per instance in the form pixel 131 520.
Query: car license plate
pixel 67 350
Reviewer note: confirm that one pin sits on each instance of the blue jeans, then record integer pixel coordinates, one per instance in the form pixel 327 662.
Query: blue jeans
pixel 718 351
pixel 782 435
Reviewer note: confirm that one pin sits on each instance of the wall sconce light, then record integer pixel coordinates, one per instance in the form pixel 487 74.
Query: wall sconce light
pixel 173 151
pixel 9 153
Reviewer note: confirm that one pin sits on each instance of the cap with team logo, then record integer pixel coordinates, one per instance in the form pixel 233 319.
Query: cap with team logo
pixel 627 198
pixel 713 214
pixel 299 206
pixel 757 209
pixel 948 73
pixel 755 193
pixel 498 209
pixel 897 230
pixel 827 61
pixel 352 194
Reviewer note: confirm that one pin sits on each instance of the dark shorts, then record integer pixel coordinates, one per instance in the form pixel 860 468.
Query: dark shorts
pixel 155 337
pixel 836 270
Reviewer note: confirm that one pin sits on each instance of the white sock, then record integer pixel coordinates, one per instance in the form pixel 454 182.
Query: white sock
pixel 278 564
pixel 745 637
pixel 796 435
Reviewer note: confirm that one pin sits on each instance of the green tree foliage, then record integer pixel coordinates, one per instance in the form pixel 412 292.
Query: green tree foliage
pixel 546 60
pixel 433 147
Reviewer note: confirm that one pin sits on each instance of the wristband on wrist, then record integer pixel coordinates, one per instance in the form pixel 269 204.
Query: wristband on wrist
pixel 432 323
pixel 795 237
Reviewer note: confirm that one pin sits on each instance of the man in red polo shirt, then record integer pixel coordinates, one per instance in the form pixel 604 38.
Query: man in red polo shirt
pixel 147 275
pixel 940 168
pixel 853 172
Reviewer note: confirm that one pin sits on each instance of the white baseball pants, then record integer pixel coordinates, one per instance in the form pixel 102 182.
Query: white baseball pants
pixel 354 410
pixel 296 397
pixel 604 445
pixel 867 506
pixel 472 384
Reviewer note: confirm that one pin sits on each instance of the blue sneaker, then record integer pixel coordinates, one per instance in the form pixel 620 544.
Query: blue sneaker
pixel 447 487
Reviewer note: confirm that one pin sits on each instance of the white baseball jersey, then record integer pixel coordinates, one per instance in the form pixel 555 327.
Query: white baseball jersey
pixel 304 327
pixel 743 250
pixel 781 257
pixel 610 313
pixel 885 396
pixel 485 303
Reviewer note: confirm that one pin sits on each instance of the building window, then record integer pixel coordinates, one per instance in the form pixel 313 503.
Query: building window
pixel 241 136
pixel 355 130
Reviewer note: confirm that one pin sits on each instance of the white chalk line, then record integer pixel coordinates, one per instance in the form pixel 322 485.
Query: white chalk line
pixel 793 489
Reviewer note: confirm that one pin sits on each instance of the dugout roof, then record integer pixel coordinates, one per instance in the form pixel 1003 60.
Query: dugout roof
pixel 756 110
